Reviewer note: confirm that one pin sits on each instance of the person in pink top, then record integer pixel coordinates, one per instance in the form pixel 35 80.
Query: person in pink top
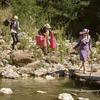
pixel 45 38
pixel 84 45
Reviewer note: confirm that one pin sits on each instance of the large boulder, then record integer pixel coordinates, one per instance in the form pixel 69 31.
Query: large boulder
pixel 21 57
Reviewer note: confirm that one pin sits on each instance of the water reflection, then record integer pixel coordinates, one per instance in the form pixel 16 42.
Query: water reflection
pixel 26 89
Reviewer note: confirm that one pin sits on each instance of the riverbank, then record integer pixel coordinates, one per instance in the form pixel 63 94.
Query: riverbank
pixel 30 61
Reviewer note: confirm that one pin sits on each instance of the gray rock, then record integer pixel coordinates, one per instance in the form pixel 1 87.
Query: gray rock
pixel 9 72
pixel 40 72
pixel 25 70
pixel 29 68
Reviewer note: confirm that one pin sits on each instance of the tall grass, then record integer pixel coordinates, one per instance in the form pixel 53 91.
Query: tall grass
pixel 61 40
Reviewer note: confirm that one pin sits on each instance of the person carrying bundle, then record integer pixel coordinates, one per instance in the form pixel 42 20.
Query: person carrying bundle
pixel 45 38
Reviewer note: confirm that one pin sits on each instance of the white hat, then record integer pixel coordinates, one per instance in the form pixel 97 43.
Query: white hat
pixel 84 31
pixel 47 26
pixel 15 17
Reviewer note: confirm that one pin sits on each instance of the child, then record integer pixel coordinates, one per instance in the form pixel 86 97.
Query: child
pixel 84 46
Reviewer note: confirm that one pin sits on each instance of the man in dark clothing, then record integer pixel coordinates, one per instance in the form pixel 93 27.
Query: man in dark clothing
pixel 14 27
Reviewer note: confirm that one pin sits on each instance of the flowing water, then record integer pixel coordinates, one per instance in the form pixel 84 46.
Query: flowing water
pixel 26 89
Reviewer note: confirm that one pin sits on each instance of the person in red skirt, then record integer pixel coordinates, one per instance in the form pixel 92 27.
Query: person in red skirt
pixel 45 38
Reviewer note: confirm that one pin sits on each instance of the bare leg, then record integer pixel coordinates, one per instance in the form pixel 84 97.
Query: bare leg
pixel 83 64
pixel 44 49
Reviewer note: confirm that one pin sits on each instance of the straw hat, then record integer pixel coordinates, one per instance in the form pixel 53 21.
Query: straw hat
pixel 47 26
pixel 16 17
pixel 85 31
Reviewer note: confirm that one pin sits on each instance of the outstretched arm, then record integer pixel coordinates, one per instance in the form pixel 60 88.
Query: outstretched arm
pixel 78 44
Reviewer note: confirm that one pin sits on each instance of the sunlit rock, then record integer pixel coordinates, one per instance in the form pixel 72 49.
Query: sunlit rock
pixel 65 96
pixel 42 92
pixel 6 91
pixel 1 63
pixel 81 98
pixel 49 77
pixel 25 75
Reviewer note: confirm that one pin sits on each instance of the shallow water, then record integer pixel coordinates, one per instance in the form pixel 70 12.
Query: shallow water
pixel 26 89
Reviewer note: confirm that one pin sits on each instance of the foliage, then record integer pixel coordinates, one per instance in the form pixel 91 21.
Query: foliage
pixel 61 40
pixel 57 12
pixel 73 15
pixel 24 43
pixel 26 10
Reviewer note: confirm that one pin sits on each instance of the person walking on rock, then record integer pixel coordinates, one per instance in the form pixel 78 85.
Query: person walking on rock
pixel 14 27
pixel 84 46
